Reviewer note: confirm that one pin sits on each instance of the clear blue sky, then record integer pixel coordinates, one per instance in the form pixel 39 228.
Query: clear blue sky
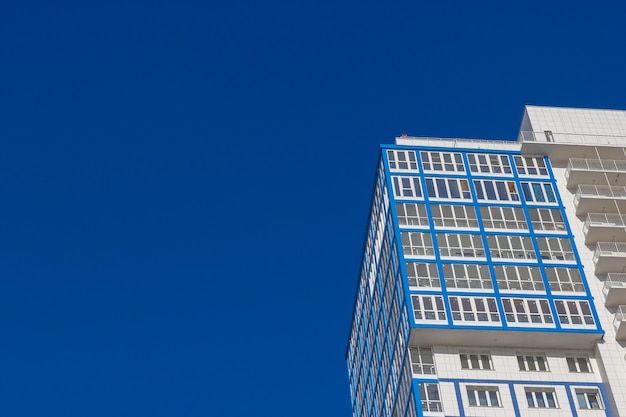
pixel 185 185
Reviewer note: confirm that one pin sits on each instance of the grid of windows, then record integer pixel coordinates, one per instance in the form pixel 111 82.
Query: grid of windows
pixel 525 311
pixel 518 278
pixel 451 216
pixel 530 165
pixel 476 361
pixel 495 190
pixel 510 218
pixel 417 244
pixel 428 307
pixel 532 362
pixel 483 396
pixel 574 313
pixel 546 219
pixel 565 280
pixel 541 397
pixel 401 160
pixel 510 248
pixel 411 214
pixel 422 275
pixel 555 249
pixel 460 245
pixel 589 399
pixel 467 276
pixel 578 364
pixel 429 394
pixel 442 161
pixel 448 188
pixel 422 361
pixel 474 309
pixel 489 164
pixel 538 192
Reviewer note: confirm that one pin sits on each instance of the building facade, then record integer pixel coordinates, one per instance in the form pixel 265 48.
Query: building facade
pixel 493 280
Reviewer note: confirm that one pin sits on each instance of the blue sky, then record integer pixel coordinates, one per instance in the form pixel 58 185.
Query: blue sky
pixel 186 185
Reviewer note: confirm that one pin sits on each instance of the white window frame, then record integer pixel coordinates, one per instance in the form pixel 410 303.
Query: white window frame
pixel 434 161
pixel 579 364
pixel 422 275
pixel 534 166
pixel 540 397
pixel 447 216
pixel 457 245
pixel 518 278
pixel 565 280
pixel 485 164
pixel 508 248
pixel 538 192
pixel 589 398
pixel 430 397
pixel 496 190
pixel 412 215
pixel 464 277
pixel 438 188
pixel 422 361
pixel 527 312
pixel 571 313
pixel 547 220
pixel 428 308
pixel 417 244
pixel 532 362
pixel 407 188
pixel 476 361
pixel 483 396
pixel 474 310
pixel 555 249
pixel 402 160
pixel 503 218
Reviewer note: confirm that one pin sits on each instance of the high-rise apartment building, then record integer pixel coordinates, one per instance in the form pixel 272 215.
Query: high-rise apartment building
pixel 493 280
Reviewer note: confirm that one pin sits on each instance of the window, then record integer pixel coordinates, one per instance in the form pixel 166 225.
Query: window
pixel 524 311
pixel 428 307
pixel 538 192
pixel 546 220
pixel 565 280
pixel 422 361
pixel 532 362
pixel 578 364
pixel 492 190
pixel 518 278
pixel 448 188
pixel 510 218
pixel 410 214
pixel 589 399
pixel 489 164
pixel 429 394
pixel 422 275
pixel 541 397
pixel 417 244
pixel 530 165
pixel 406 187
pixel 555 249
pixel 402 160
pixel 467 276
pixel 510 248
pixel 475 361
pixel 474 310
pixel 574 312
pixel 460 245
pixel 448 216
pixel 481 396
pixel 442 161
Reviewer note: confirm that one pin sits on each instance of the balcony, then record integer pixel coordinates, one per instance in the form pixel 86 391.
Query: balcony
pixel 609 257
pixel 604 227
pixel 599 199
pixel 595 171
pixel 615 290
pixel 620 323
pixel 560 147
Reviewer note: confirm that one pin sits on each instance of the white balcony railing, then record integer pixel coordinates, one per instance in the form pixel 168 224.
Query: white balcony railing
pixel 604 165
pixel 620 314
pixel 610 249
pixel 572 138
pixel 614 280
pixel 605 219
pixel 601 191
pixel 620 322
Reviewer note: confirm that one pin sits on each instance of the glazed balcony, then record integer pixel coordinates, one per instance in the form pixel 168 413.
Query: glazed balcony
pixel 609 257
pixel 620 323
pixel 604 227
pixel 615 290
pixel 595 171
pixel 600 199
